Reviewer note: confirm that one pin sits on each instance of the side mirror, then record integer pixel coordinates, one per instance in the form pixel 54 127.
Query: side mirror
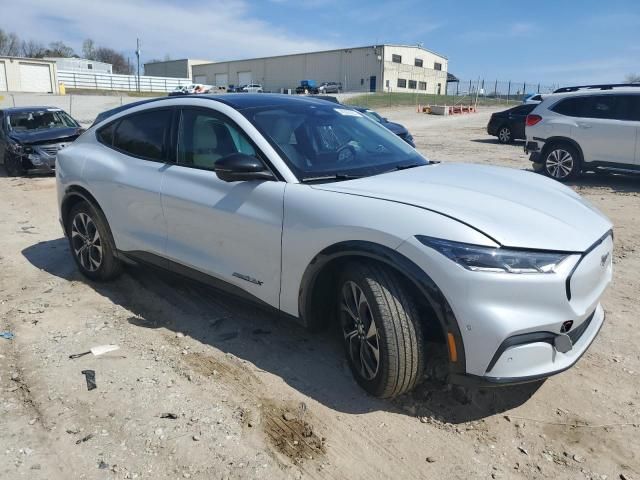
pixel 239 167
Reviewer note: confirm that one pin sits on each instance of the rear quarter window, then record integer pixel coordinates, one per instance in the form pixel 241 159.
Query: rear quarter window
pixel 571 107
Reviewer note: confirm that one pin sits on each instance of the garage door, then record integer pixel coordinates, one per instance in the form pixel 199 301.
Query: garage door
pixel 222 79
pixel 35 78
pixel 200 79
pixel 3 78
pixel 244 78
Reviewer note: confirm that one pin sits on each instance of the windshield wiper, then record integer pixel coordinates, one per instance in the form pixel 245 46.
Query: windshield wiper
pixel 335 176
pixel 409 165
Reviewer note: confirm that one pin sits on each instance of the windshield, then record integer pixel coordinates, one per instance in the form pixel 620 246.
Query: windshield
pixel 373 115
pixel 323 141
pixel 40 120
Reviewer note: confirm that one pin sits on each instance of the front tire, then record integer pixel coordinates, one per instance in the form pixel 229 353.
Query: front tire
pixel 91 243
pixel 505 135
pixel 561 162
pixel 381 330
pixel 13 166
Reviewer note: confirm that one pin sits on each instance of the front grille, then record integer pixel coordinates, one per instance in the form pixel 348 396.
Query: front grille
pixel 51 150
pixel 575 335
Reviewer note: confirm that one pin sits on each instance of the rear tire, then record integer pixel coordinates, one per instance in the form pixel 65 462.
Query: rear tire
pixel 561 161
pixel 91 243
pixel 381 330
pixel 505 135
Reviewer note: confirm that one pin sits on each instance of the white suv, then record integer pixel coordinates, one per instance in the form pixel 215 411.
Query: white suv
pixel 593 128
pixel 315 210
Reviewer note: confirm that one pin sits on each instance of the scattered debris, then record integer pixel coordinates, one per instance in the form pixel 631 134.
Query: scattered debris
pixel 431 460
pixel 84 439
pixel 523 450
pixel 99 350
pixel 196 438
pixel 172 416
pixel 7 335
pixel 102 465
pixel 288 416
pixel 90 375
pixel 578 458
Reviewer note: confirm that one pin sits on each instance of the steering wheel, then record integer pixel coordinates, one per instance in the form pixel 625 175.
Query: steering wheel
pixel 345 155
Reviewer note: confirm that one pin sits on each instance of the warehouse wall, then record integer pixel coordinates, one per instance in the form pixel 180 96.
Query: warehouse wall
pixel 14 80
pixel 352 67
pixel 426 78
pixel 173 68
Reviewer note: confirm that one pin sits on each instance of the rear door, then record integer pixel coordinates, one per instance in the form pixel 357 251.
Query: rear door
pixel 126 177
pixel 603 132
pixel 228 230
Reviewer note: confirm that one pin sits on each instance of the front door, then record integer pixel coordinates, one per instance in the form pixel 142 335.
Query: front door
pixel 230 231
pixel 372 83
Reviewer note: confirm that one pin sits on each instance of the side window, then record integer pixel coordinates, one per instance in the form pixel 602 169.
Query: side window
pixel 105 134
pixel 628 107
pixel 602 106
pixel 572 107
pixel 144 134
pixel 205 137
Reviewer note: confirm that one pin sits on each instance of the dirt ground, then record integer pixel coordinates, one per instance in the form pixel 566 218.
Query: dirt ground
pixel 206 387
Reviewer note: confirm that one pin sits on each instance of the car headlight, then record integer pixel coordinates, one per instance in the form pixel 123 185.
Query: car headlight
pixel 501 260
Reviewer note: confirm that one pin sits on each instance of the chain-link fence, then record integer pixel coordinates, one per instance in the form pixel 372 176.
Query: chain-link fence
pixel 478 92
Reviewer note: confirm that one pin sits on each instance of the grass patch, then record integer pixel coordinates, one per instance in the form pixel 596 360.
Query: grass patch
pixel 394 99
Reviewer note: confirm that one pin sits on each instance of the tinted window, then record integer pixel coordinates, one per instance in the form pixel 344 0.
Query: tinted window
pixel 402 83
pixel 144 134
pixel 413 84
pixel 206 137
pixel 572 107
pixel 418 62
pixel 437 66
pixel 602 106
pixel 628 107
pixel 105 134
pixel 396 58
pixel 422 85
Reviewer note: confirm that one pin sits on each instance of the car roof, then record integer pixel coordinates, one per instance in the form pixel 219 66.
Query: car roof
pixel 589 92
pixel 251 100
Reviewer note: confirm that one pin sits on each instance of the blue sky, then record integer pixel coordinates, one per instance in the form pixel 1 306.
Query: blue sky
pixel 561 41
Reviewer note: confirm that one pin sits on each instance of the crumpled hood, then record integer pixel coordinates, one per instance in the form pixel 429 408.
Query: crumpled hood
pixel 515 208
pixel 46 136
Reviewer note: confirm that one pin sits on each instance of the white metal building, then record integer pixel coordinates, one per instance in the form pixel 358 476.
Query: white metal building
pixel 81 65
pixel 27 75
pixel 173 68
pixel 375 68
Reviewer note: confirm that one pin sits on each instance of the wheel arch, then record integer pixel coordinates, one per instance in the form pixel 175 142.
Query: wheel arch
pixel 321 274
pixel 74 195
pixel 558 139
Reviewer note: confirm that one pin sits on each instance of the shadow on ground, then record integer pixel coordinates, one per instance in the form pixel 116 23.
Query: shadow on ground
pixel 618 183
pixel 494 141
pixel 313 364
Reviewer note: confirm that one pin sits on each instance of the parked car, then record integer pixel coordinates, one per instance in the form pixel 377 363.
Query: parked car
pixel 508 125
pixel 329 87
pixel 252 88
pixel 315 211
pixel 30 138
pixel 532 99
pixel 307 87
pixel 396 128
pixel 587 128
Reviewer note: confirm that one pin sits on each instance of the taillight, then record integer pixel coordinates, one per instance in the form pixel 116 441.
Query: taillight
pixel 533 119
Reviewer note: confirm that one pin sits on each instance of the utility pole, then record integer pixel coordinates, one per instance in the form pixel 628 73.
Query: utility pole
pixel 138 56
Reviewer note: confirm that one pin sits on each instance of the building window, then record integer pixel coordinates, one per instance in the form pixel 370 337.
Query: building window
pixel 396 58
pixel 90 66
pixel 422 86
pixel 418 62
pixel 437 66
pixel 402 83
pixel 413 84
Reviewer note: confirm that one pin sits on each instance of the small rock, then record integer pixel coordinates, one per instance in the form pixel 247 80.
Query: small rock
pixel 424 419
pixel 179 335
pixel 35 466
pixel 578 458
pixel 196 438
pixel 523 450
pixel 102 465
pixel 32 421
pixel 431 460
pixel 158 432
pixel 288 416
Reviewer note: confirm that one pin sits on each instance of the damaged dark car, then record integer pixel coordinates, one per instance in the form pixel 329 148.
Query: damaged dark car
pixel 30 138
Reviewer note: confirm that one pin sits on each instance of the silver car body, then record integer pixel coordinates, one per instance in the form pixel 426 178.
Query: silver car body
pixel 263 236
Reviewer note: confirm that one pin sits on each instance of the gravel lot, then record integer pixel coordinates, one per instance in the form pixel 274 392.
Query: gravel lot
pixel 248 395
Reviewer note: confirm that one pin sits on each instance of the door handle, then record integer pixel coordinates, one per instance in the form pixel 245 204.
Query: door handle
pixel 584 125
